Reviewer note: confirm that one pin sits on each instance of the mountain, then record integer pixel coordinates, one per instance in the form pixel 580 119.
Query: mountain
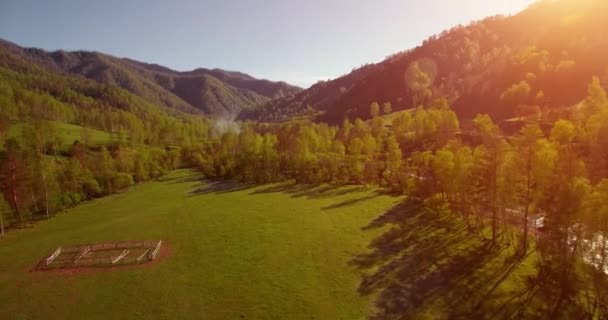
pixel 541 59
pixel 212 92
pixel 537 61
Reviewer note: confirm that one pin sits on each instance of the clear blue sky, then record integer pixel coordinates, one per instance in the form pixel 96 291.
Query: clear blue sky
pixel 299 41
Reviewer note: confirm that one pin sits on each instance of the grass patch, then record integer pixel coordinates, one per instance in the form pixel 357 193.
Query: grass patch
pixel 69 133
pixel 266 252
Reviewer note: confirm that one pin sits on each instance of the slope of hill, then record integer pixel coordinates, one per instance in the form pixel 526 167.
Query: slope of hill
pixel 541 58
pixel 213 92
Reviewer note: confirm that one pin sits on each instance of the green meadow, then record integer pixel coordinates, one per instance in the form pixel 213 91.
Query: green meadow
pixel 69 133
pixel 236 251
pixel 274 251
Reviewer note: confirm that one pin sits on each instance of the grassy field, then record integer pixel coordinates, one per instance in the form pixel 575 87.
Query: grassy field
pixel 262 252
pixel 269 252
pixel 68 133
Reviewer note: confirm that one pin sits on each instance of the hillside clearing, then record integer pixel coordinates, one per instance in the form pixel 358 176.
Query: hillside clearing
pixel 69 133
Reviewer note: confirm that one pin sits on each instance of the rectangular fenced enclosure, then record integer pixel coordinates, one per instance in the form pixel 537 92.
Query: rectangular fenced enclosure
pixel 101 255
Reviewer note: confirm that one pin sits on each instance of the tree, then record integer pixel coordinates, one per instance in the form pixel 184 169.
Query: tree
pixel 593 132
pixel 490 157
pixel 394 159
pixel 596 97
pixel 563 132
pixel 43 173
pixel 446 124
pixel 355 159
pixel 44 185
pixel 485 128
pixel 423 125
pixel 50 184
pixel 268 170
pixel 359 130
pixel 419 173
pixel 402 124
pixel 378 130
pixel 78 151
pixel 566 204
pixel 4 209
pixel 443 170
pixel 419 77
pixel 463 188
pixel 416 78
pixel 374 109
pixel 140 171
pixel 543 170
pixel 105 169
pixel 566 232
pixel 345 131
pixel 46 131
pixel 527 163
pixel 124 159
pixel 370 155
pixel 4 125
pixel 387 108
pixel 76 183
pixel 337 162
pixel 121 181
pixel 16 178
pixel 517 93
pixel 598 221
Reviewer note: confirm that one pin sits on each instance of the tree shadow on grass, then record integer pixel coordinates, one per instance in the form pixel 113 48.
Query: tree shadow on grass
pixel 351 202
pixel 313 191
pixel 193 177
pixel 221 186
pixel 295 190
pixel 427 265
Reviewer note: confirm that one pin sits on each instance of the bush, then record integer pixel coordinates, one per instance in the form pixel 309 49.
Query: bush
pixel 92 188
pixel 122 181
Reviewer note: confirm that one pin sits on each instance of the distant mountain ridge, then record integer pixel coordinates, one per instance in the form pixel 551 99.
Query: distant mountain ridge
pixel 212 92
pixel 537 61
pixel 542 58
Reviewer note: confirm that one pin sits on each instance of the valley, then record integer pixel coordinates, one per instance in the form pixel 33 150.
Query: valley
pixel 463 177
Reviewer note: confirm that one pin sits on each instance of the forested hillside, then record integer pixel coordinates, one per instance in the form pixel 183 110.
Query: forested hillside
pixel 537 60
pixel 45 168
pixel 210 92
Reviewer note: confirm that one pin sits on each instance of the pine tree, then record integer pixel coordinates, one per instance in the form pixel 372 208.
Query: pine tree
pixel 526 144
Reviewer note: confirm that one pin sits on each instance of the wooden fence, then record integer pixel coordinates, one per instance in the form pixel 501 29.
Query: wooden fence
pixel 84 255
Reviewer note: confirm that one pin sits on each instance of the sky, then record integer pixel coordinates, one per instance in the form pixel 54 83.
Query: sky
pixel 298 41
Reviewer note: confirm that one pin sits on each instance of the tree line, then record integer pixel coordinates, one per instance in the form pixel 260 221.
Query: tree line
pixel 40 178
